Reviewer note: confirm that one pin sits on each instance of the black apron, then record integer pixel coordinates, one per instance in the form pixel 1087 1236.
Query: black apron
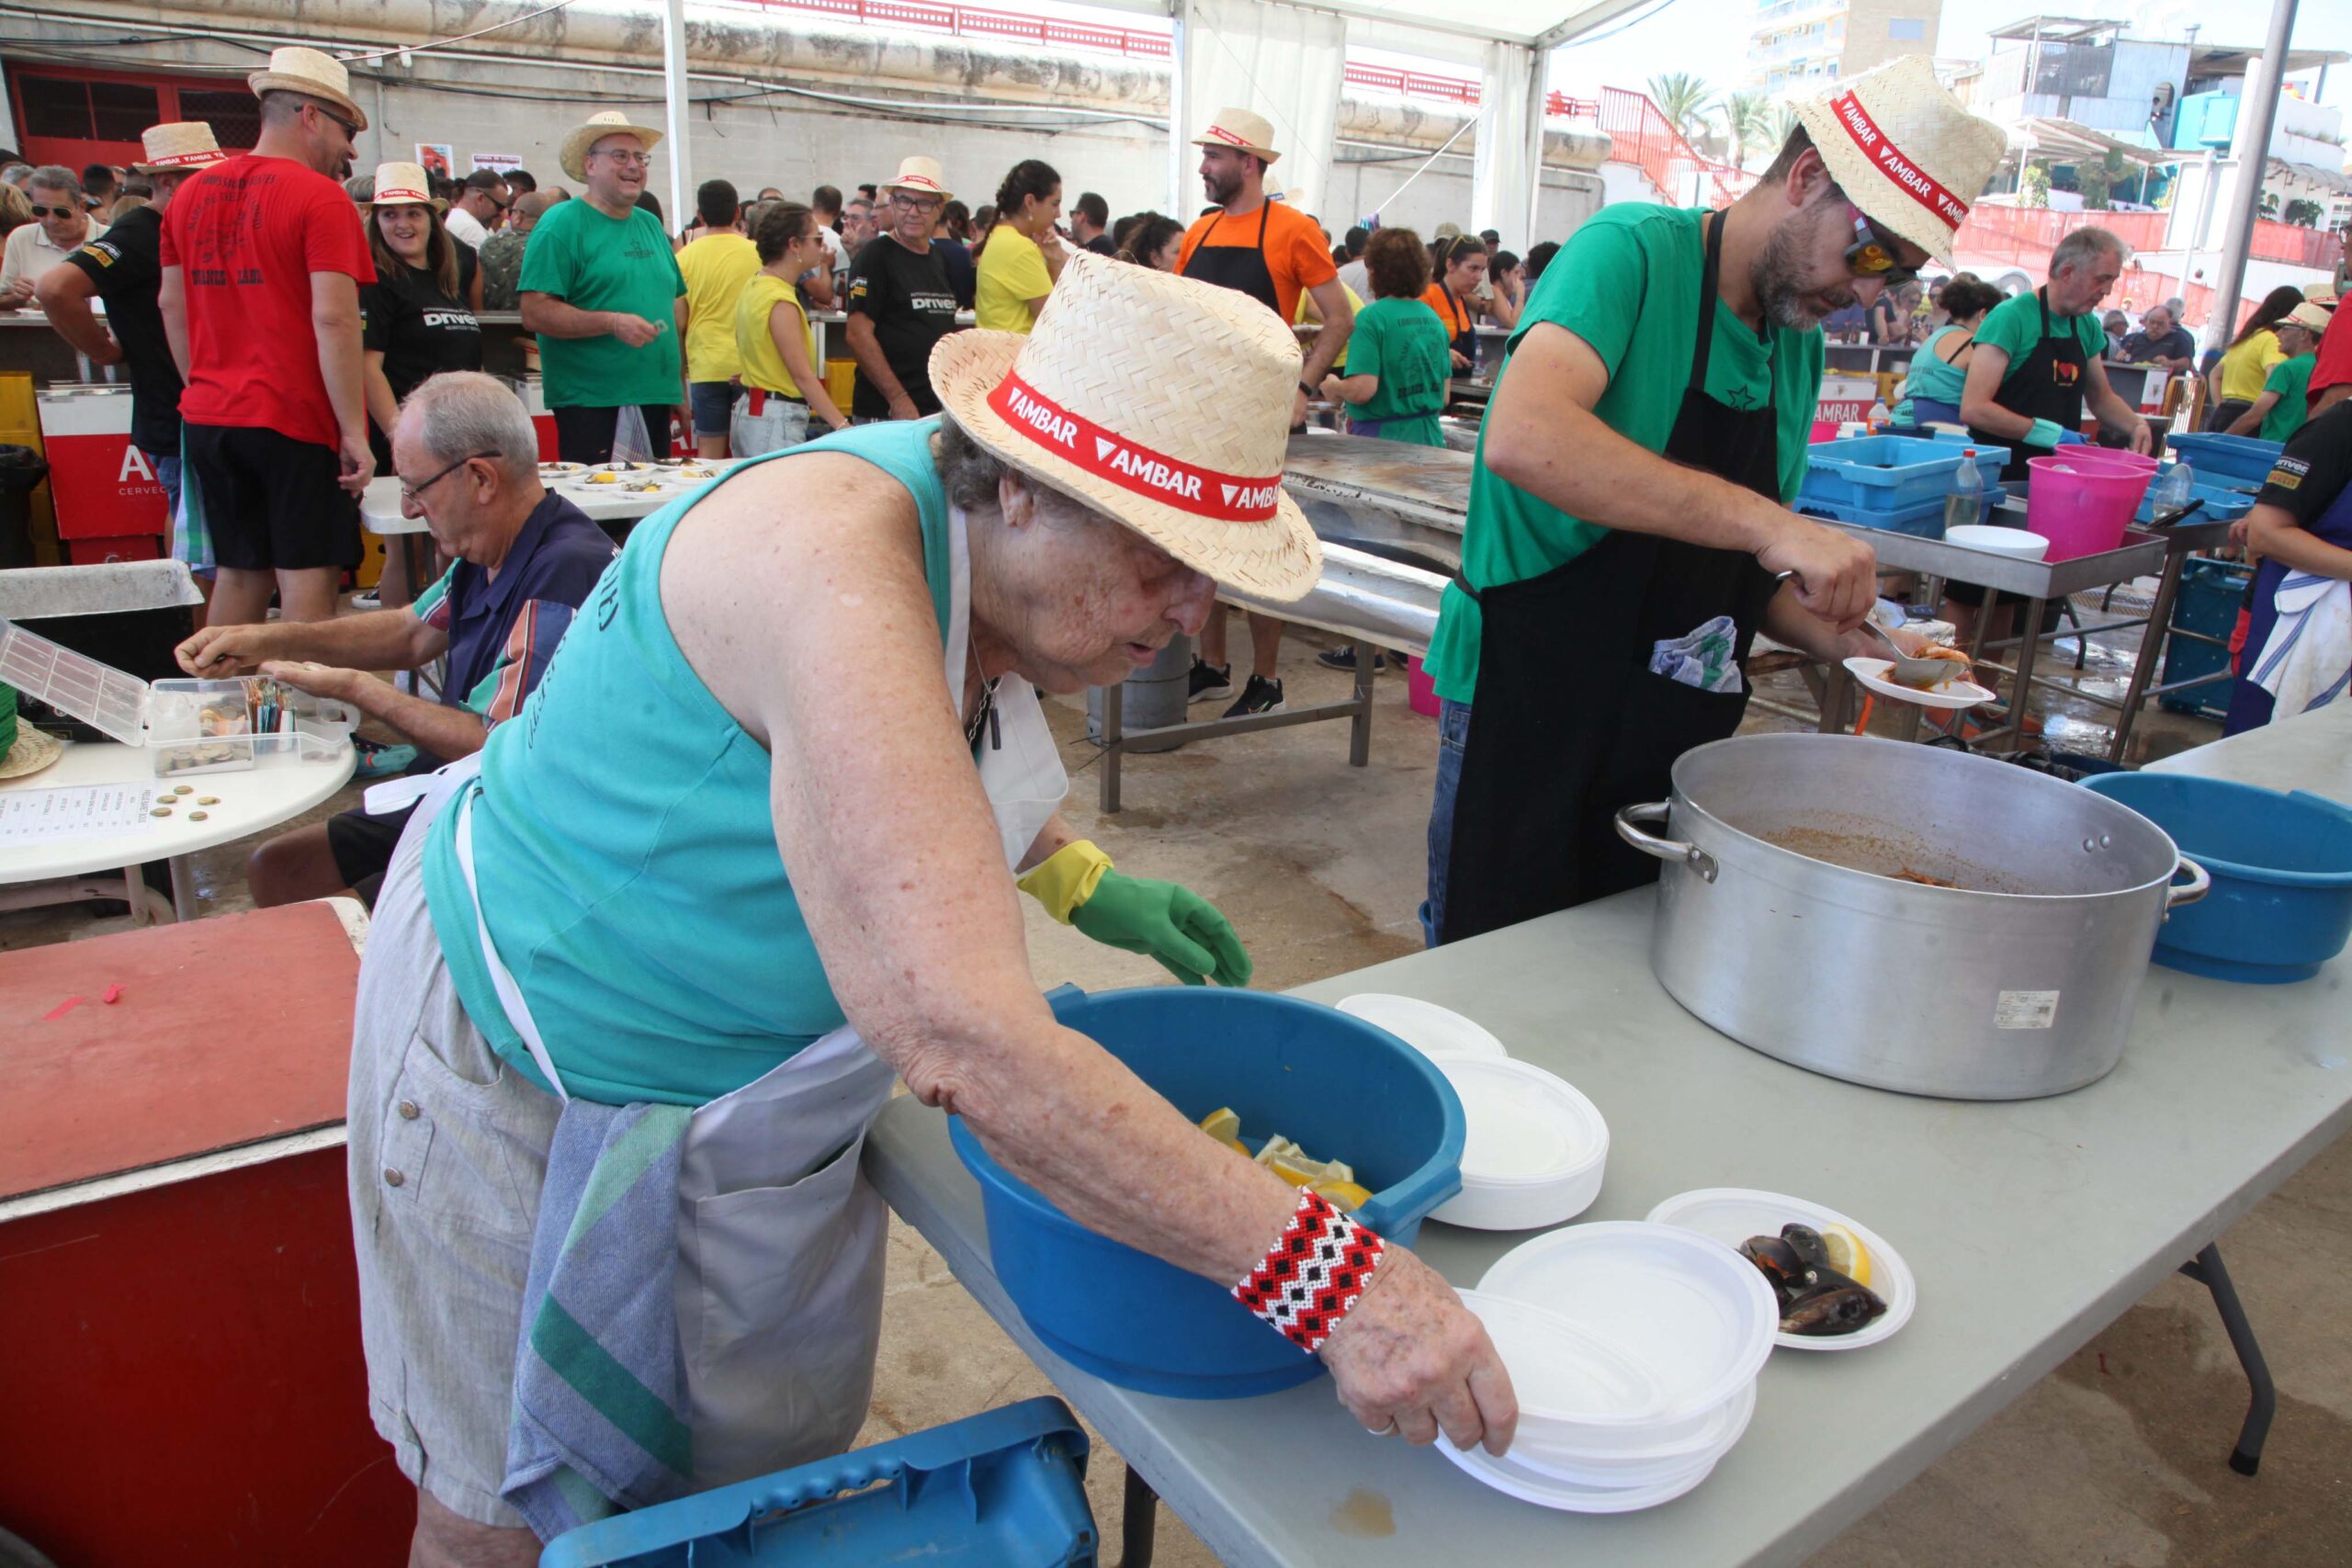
pixel 2048 384
pixel 1232 267
pixel 1569 724
pixel 1466 340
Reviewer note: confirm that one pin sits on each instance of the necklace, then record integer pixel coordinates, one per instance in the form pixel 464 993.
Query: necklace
pixel 984 715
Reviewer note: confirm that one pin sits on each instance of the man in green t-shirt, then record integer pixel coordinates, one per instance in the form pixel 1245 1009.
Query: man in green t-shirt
pixel 2036 365
pixel 1628 533
pixel 2284 402
pixel 603 291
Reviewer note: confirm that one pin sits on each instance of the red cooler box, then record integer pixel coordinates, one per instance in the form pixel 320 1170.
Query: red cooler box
pixel 109 503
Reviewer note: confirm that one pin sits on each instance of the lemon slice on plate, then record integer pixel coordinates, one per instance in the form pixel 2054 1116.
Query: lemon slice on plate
pixel 1846 1253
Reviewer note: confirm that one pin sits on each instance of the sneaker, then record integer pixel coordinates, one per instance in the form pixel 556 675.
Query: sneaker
pixel 377 761
pixel 1210 680
pixel 1345 659
pixel 367 600
pixel 1261 696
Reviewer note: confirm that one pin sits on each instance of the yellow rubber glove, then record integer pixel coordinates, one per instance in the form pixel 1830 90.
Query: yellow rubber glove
pixel 1067 878
pixel 1175 927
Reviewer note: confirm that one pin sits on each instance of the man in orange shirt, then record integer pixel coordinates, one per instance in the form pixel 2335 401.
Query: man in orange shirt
pixel 1270 252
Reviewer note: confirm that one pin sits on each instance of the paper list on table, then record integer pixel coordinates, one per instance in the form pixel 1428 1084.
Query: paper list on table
pixel 46 816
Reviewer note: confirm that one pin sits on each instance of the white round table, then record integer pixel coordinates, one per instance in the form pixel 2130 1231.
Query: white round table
pixel 276 789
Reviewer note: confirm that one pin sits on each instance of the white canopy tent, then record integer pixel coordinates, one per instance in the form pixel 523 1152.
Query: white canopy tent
pixel 1285 61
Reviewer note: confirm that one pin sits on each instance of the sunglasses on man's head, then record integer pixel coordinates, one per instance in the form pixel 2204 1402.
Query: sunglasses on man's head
pixel 1872 253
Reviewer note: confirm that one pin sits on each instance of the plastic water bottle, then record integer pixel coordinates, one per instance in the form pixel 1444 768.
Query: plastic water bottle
pixel 1964 506
pixel 2175 489
pixel 1879 417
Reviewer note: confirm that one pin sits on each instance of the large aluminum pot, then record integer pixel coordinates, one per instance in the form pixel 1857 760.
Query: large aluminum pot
pixel 1786 920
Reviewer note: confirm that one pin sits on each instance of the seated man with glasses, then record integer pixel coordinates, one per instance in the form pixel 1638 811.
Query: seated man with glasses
pixel 602 288
pixel 61 226
pixel 523 560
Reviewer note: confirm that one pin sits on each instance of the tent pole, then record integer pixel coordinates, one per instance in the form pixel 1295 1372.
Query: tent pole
pixel 2257 112
pixel 679 111
pixel 1180 108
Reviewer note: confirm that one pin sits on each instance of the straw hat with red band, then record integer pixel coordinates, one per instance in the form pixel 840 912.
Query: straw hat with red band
pixel 1162 403
pixel 1903 150
pixel 322 76
pixel 1243 131
pixel 922 175
pixel 180 144
pixel 574 155
pixel 2312 318
pixel 404 185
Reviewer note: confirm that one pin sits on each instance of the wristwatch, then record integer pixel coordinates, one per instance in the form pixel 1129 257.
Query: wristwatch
pixel 1308 390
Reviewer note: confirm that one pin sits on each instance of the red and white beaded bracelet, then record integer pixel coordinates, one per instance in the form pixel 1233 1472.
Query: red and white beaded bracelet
pixel 1314 1274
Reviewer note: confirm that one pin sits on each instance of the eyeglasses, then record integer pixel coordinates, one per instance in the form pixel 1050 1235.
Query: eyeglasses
pixel 1872 253
pixel 57 212
pixel 914 203
pixel 622 155
pixel 350 126
pixel 410 493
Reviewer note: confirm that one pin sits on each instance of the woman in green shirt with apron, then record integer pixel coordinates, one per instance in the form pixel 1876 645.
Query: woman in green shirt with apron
pixel 1399 372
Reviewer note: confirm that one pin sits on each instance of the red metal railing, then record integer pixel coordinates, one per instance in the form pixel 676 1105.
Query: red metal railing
pixel 2322 248
pixel 971 22
pixel 1640 134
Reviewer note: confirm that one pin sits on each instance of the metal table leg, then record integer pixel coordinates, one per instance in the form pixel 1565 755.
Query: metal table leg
pixel 2208 1271
pixel 1138 1514
pixel 1359 727
pixel 2028 642
pixel 2152 641
pixel 1107 787
pixel 183 888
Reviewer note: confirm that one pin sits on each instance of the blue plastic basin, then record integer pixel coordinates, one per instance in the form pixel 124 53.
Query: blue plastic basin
pixel 2242 462
pixel 2282 904
pixel 1889 473
pixel 1330 1083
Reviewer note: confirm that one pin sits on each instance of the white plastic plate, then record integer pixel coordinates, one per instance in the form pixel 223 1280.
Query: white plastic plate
pixel 1731 1214
pixel 1699 1318
pixel 1529 1485
pixel 1957 693
pixel 1427 1028
pixel 1563 1372
pixel 1582 1469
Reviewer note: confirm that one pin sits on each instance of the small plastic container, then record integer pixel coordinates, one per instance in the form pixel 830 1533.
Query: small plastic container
pixel 207 727
pixel 1534 1150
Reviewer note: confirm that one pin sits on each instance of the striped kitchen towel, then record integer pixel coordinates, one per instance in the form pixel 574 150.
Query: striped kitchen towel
pixel 599 1418
pixel 2307 661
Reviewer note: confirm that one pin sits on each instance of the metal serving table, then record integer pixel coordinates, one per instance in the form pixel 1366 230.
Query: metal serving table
pixel 2143 553
pixel 2125 1179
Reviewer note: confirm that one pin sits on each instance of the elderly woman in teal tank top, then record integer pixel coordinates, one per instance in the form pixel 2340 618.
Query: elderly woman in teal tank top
pixel 1939 368
pixel 748 856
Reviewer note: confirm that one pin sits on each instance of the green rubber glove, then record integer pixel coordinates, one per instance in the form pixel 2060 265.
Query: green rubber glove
pixel 1176 925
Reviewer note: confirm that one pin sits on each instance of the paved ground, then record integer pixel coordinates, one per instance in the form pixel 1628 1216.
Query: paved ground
pixel 2117 1459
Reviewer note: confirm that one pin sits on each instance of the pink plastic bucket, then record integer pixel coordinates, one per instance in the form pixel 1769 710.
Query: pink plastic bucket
pixel 1824 430
pixel 2081 504
pixel 1420 691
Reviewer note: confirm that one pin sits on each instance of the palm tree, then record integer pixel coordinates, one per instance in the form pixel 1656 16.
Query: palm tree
pixel 1682 98
pixel 1780 121
pixel 1747 122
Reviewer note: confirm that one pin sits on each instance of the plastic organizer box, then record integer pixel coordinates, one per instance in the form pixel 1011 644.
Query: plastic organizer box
pixel 1002 1489
pixel 1891 473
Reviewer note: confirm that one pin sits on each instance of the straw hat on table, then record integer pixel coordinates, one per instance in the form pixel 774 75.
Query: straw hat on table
pixel 604 123
pixel 176 145
pixel 1903 150
pixel 1160 401
pixel 32 749
pixel 1240 130
pixel 297 69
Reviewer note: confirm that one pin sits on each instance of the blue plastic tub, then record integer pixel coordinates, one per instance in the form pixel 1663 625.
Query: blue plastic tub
pixel 2241 462
pixel 1923 519
pixel 1002 1489
pixel 2223 504
pixel 1890 473
pixel 2282 904
pixel 1333 1084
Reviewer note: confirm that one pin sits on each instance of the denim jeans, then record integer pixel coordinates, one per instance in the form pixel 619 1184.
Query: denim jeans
pixel 1453 734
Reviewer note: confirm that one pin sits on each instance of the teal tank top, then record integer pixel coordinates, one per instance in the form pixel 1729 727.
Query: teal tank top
pixel 1931 378
pixel 626 850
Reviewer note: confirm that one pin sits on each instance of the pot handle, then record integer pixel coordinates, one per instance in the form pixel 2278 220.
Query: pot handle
pixel 2199 882
pixel 1668 849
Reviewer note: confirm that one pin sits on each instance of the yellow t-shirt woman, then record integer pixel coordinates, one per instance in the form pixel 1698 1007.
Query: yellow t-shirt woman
pixel 1012 272
pixel 762 364
pixel 2245 367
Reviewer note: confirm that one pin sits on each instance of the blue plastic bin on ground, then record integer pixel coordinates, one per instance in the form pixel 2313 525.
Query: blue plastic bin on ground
pixel 1891 473
pixel 1002 1489
pixel 2241 462
pixel 2210 592
pixel 2282 904
pixel 1335 1085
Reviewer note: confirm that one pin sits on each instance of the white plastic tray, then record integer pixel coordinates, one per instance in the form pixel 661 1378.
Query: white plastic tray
pixel 1536 1151
pixel 1585 1469
pixel 1959 694
pixel 1560 1371
pixel 1434 1031
pixel 1531 1485
pixel 1731 1214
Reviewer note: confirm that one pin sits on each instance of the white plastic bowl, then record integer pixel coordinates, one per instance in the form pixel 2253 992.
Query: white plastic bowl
pixel 1434 1031
pixel 1563 1374
pixel 1535 1150
pixel 1997 541
pixel 1538 1448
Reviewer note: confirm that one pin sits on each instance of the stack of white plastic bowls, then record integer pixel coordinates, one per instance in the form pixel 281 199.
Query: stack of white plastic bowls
pixel 1535 1148
pixel 1633 1349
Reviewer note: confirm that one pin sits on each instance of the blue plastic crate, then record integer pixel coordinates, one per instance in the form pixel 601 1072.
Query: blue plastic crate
pixel 2221 503
pixel 1890 473
pixel 1923 520
pixel 2240 462
pixel 2211 593
pixel 1004 1489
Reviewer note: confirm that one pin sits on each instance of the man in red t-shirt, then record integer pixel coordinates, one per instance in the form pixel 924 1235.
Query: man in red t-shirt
pixel 1271 252
pixel 263 261
pixel 2331 377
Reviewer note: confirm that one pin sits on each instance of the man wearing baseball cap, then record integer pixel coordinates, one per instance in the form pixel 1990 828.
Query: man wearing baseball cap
pixel 1628 532
pixel 124 268
pixel 2284 405
pixel 1273 253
